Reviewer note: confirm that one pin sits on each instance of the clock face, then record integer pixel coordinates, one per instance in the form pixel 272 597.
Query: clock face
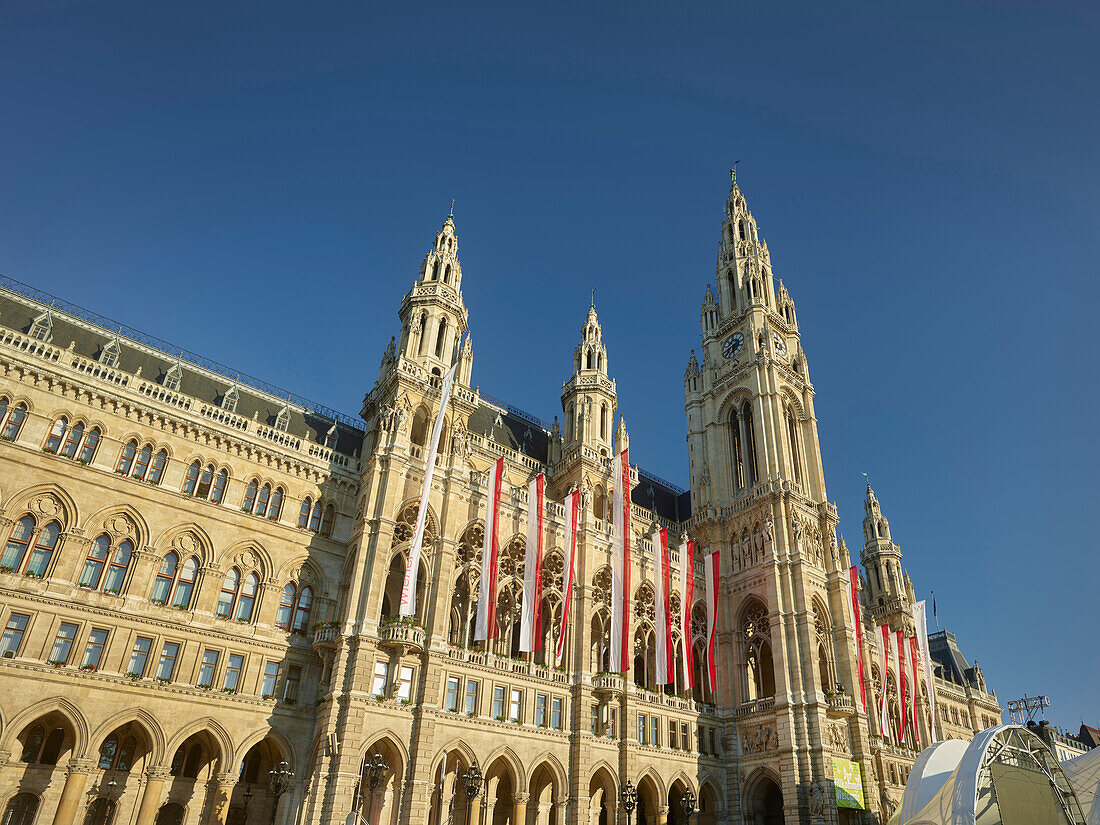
pixel 732 345
pixel 780 347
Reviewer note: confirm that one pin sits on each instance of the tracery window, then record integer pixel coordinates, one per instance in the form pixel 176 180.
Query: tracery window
pixel 175 582
pixel 464 597
pixel 294 608
pixel 793 441
pixel 41 546
pixel 42 749
pixel 117 753
pixel 824 639
pixel 303 513
pixel 207 483
pixel 756 631
pixel 100 556
pixel 12 419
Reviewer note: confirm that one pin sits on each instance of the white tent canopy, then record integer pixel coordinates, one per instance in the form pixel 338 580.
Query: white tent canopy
pixel 1084 775
pixel 1006 776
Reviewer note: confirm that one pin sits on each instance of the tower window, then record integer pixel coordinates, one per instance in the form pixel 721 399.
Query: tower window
pixel 741 229
pixel 441 338
pixel 435 271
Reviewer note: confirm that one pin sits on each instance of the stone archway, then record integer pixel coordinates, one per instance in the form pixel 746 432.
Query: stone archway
pixel 764 801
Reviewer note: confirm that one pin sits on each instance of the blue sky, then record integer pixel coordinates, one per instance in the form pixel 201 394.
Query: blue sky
pixel 259 183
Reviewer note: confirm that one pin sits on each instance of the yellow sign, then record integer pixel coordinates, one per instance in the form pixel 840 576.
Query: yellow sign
pixel 848 781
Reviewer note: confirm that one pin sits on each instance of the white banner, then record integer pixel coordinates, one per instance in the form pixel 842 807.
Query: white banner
pixel 687 590
pixel 620 567
pixel 486 627
pixel 530 624
pixel 412 568
pixel 896 665
pixel 710 569
pixel 882 642
pixel 851 591
pixel 572 525
pixel 920 619
pixel 666 667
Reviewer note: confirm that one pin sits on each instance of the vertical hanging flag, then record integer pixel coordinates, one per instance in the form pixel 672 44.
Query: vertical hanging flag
pixel 620 567
pixel 903 694
pixel 530 625
pixel 486 627
pixel 852 594
pixel 892 647
pixel 666 666
pixel 914 655
pixel 920 620
pixel 687 588
pixel 408 588
pixel 710 568
pixel 882 642
pixel 572 522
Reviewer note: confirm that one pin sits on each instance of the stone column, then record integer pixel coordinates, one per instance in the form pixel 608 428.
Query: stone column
pixel 150 798
pixel 475 812
pixel 223 791
pixel 75 778
pixel 519 808
pixel 662 815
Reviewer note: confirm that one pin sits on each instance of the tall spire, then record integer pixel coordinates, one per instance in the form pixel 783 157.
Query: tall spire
pixel 588 398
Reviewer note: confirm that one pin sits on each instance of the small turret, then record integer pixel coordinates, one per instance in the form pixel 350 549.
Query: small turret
pixel 588 398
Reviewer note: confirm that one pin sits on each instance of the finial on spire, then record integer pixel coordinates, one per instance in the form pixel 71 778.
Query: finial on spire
pixel 733 173
pixel 592 303
pixel 452 208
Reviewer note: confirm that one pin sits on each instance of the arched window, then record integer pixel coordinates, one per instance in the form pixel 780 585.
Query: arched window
pixel 76 435
pixel 303 513
pixel 193 762
pixel 192 479
pixel 56 436
pixel 282 420
pixel 328 520
pixel 100 812
pixel 18 542
pixel 603 421
pixel 185 586
pixel 156 471
pixel 447 274
pixel 741 229
pixel 315 517
pixel 435 270
pixel 286 606
pixel 305 605
pixel 246 604
pixel 44 547
pixel 94 562
pixel 275 509
pixel 228 596
pixel 441 338
pixel 206 481
pixel 117 753
pixel 589 361
pixel 792 438
pixel 217 493
pixel 170 813
pixel 166 577
pixel 422 344
pixel 14 422
pixel 737 451
pixel 87 451
pixel 126 459
pixel 116 570
pixel 750 444
pixel 262 499
pixel 33 744
pixel 21 809
pixel 250 496
pixel 144 458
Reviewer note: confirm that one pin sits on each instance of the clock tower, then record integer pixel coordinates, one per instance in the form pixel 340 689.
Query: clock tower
pixel 786 643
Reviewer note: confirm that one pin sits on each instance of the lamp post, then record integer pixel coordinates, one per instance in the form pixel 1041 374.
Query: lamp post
pixel 688 802
pixel 247 798
pixel 471 783
pixel 376 770
pixel 629 797
pixel 278 783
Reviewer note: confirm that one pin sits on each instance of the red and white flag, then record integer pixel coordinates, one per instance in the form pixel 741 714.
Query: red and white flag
pixel 687 588
pixel 882 642
pixel 666 665
pixel 914 656
pixel 903 696
pixel 852 594
pixel 920 620
pixel 486 627
pixel 530 623
pixel 620 567
pixel 710 568
pixel 412 569
pixel 572 523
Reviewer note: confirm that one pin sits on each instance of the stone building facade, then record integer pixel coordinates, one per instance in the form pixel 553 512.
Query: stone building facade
pixel 201 577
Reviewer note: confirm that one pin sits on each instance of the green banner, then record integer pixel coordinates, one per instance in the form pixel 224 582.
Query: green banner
pixel 848 781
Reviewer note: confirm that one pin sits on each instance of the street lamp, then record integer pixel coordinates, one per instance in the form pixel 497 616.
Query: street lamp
pixel 629 797
pixel 376 770
pixel 688 801
pixel 247 798
pixel 471 783
pixel 279 783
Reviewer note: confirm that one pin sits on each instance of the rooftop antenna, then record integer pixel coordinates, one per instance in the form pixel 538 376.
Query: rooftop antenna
pixel 1027 707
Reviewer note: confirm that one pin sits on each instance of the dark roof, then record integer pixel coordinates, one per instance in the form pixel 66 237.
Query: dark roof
pixel 1090 736
pixel 153 364
pixel 665 499
pixel 509 430
pixel 948 659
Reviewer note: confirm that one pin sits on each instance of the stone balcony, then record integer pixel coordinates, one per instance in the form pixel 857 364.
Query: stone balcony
pixel 841 704
pixel 751 708
pixel 324 638
pixel 607 683
pixel 404 637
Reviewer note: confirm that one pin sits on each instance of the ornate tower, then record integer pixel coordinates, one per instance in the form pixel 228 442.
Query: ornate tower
pixel 588 397
pixel 433 316
pixel 889 592
pixel 758 493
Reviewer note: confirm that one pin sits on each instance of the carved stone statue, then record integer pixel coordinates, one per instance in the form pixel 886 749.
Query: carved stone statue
pixel 797 527
pixel 817 802
pixel 768 527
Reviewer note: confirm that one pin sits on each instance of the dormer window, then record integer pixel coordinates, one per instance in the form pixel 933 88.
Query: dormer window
pixel 229 400
pixel 42 327
pixel 108 356
pixel 282 420
pixel 173 377
pixel 330 437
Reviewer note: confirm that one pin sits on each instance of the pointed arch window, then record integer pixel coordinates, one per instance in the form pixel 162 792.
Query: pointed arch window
pixel 282 420
pixel 126 458
pixel 229 400
pixel 42 554
pixel 303 608
pixel 447 274
pixel 173 377
pixel 72 441
pixel 286 606
pixel 18 541
pixel 250 496
pixel 228 596
pixel 56 436
pixel 422 344
pixel 246 603
pixel 328 520
pixel 42 326
pixel 166 578
pixel 263 499
pixel 303 513
pixel 192 479
pixel 185 586
pixel 793 439
pixel 206 481
pixel 14 421
pixel 315 517
pixel 218 491
pixel 144 459
pixel 275 509
pixel 441 338
pixel 117 753
pixel 435 270
pixel 108 356
pixel 156 470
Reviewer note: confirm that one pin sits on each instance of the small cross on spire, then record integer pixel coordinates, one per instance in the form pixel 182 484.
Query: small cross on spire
pixel 452 208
